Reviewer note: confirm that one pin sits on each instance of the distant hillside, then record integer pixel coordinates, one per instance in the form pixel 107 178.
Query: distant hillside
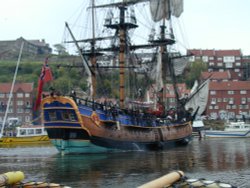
pixel 29 70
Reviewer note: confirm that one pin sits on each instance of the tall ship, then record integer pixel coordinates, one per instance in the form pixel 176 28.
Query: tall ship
pixel 87 124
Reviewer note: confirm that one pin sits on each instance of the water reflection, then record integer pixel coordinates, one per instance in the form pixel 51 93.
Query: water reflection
pixel 130 169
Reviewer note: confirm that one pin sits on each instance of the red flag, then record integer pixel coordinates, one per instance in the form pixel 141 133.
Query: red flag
pixel 45 76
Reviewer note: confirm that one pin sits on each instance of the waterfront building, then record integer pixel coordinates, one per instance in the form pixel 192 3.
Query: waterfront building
pixel 221 61
pixel 228 100
pixel 20 105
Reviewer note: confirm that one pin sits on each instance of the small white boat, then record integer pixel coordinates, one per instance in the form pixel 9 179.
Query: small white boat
pixel 232 130
pixel 25 134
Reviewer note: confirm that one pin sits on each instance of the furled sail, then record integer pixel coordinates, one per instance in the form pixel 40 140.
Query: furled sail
pixel 199 96
pixel 161 9
pixel 156 73
pixel 179 65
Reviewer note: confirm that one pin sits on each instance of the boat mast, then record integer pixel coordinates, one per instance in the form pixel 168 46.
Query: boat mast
pixel 11 90
pixel 90 72
pixel 93 56
pixel 122 35
pixel 167 67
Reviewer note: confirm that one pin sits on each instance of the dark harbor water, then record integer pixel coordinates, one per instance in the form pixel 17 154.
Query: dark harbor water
pixel 227 160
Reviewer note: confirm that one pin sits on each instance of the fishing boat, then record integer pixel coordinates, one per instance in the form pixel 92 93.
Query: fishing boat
pixel 25 135
pixel 238 129
pixel 77 124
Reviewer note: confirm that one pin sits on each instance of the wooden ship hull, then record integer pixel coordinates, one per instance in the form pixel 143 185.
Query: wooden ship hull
pixel 91 128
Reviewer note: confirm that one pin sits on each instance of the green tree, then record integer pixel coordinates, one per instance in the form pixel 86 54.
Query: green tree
pixel 60 49
pixel 194 72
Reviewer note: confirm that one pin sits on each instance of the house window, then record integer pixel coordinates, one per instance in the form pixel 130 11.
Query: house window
pixel 228 107
pixel 19 95
pixel 243 92
pixel 27 118
pixel 230 92
pixel 231 114
pixel 216 107
pixel 212 92
pixel 236 70
pixel 27 110
pixel 19 110
pixel 211 107
pixel 231 101
pixel 192 58
pixel 211 58
pixel 238 64
pixel 213 101
pixel 237 58
pixel 243 100
pixel 211 64
pixel 27 104
pixel 219 58
pixel 229 65
pixel 219 64
pixel 229 59
pixel 1 95
pixel 225 99
pixel 171 100
pixel 27 95
pixel 219 99
pixel 204 58
pixel 19 103
pixel 234 107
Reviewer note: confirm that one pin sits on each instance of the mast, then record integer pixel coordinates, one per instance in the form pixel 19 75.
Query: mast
pixel 90 72
pixel 11 90
pixel 93 56
pixel 122 55
pixel 121 28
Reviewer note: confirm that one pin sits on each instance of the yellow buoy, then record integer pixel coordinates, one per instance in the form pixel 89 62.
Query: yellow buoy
pixel 10 178
pixel 164 181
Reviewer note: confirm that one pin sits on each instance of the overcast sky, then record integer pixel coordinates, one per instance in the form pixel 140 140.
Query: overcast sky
pixel 209 24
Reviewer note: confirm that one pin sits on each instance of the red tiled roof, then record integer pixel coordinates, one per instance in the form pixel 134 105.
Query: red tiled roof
pixel 228 53
pixel 200 52
pixel 230 85
pixel 218 53
pixel 25 87
pixel 216 75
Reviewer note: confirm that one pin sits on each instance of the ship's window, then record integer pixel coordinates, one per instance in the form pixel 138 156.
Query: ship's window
pixel 65 115
pixel 31 131
pixel 52 115
pixel 69 115
pixel 38 131
pixel 22 132
pixel 73 117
